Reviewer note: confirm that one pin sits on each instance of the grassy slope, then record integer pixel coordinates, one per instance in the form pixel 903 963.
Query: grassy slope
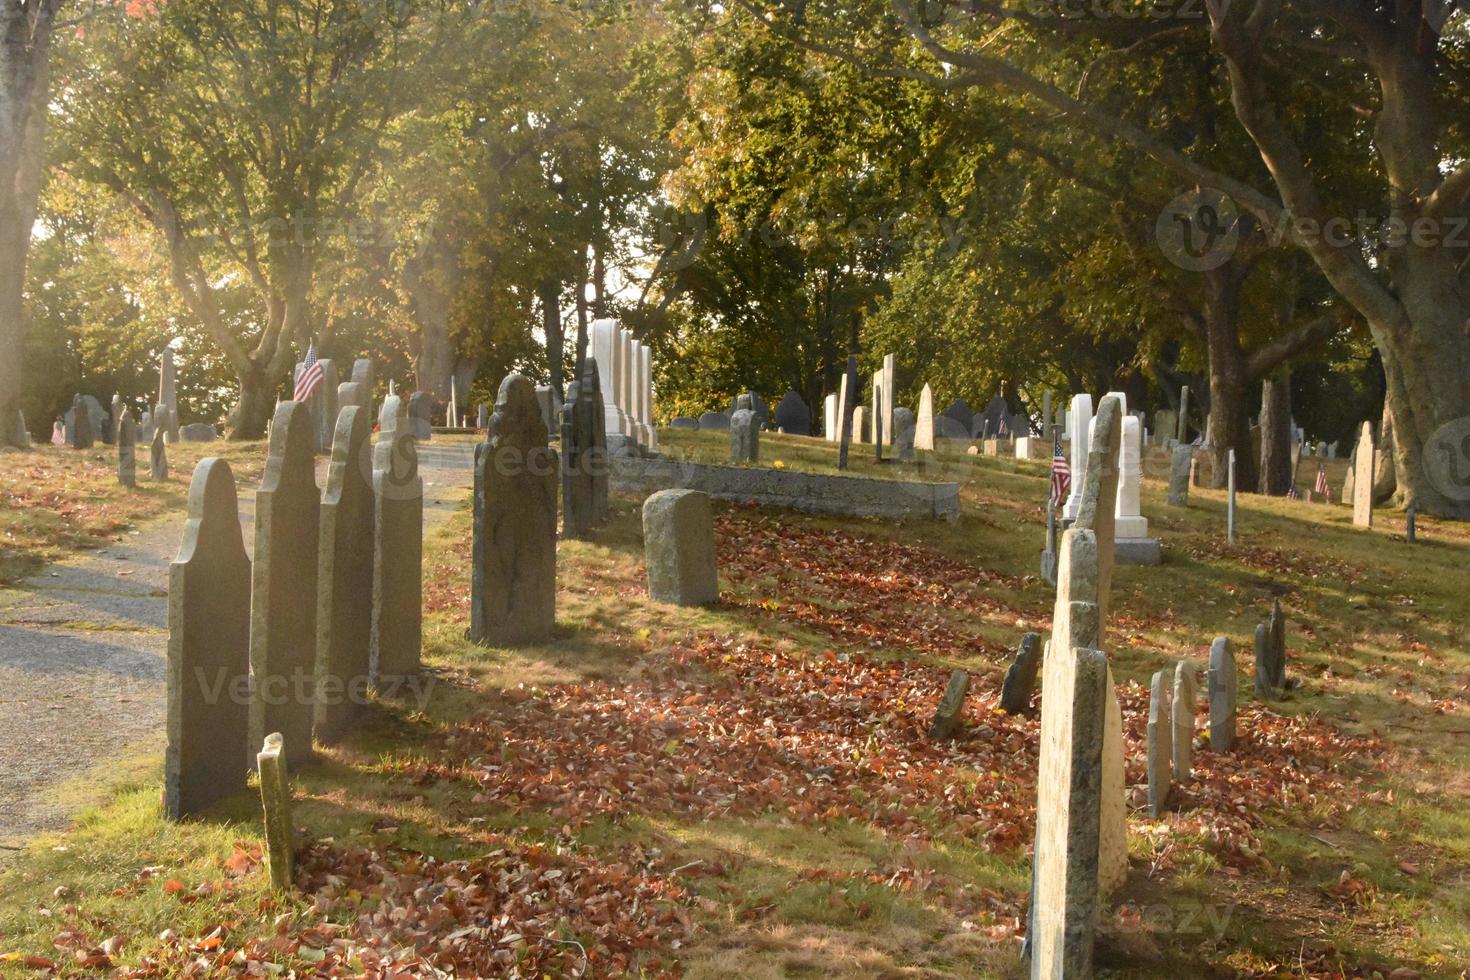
pixel 843 843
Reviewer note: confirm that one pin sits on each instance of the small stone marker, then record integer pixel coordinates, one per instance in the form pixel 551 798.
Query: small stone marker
pixel 1160 743
pixel 398 558
pixel 1180 464
pixel 1183 708
pixel 859 424
pixel 1223 681
pixel 513 573
pixel 1020 679
pixel 714 421
pixel 208 676
pixel 344 580
pixel 1230 500
pixel 951 706
pixel 745 445
pixel 1411 520
pixel 1362 470
pixel 275 801
pixel 283 601
pixel 679 548
pixel 903 434
pixel 924 421
pixel 1271 655
pixel 127 449
pixel 158 456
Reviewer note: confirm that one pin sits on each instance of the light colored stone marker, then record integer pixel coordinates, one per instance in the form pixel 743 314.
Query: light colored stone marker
pixel 126 434
pixel 1363 474
pixel 679 548
pixel 158 456
pixel 1180 464
pixel 1160 743
pixel 207 754
pixel 275 801
pixel 924 421
pixel 1223 684
pixel 1183 704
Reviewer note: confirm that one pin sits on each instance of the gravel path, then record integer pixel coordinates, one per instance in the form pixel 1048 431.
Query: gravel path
pixel 82 654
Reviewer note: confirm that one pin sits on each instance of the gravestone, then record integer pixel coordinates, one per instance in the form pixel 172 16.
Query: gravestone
pixel 1079 422
pixel 362 376
pixel 580 465
pixel 482 417
pixel 679 548
pixel 1183 708
pixel 1223 682
pixel 344 580
pixel 880 437
pixel 166 424
pixel 1362 471
pixel 1182 434
pixel 198 432
pixel 829 417
pixel 158 457
pixel 714 421
pixel 550 404
pixel 847 413
pixel 961 420
pixel 792 415
pixel 145 427
pixel 744 436
pixel 79 425
pixel 420 415
pixel 325 401
pixel 1135 547
pixel 903 434
pixel 591 381
pixel 1180 463
pixel 127 449
pixel 398 558
pixel 1020 679
pixel 1160 737
pixel 352 393
pixel 684 422
pixel 756 404
pixel 283 595
pixel 1271 655
pixel 513 577
pixel 859 424
pixel 951 706
pixel 924 421
pixel 208 677
pixel 275 802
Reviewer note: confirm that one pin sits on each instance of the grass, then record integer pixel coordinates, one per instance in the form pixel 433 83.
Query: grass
pixel 839 632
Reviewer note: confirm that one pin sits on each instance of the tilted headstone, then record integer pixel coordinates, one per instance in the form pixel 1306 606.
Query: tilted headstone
pixel 903 434
pixel 513 577
pixel 1180 463
pixel 745 434
pixel 1183 705
pixel 793 417
pixel 1362 473
pixel 344 580
pixel 1271 655
pixel 208 675
pixel 158 457
pixel 1223 683
pixel 284 595
pixel 714 421
pixel 679 548
pixel 398 557
pixel 951 706
pixel 275 801
pixel 127 449
pixel 924 421
pixel 1160 738
pixel 844 403
pixel 1020 679
pixel 847 416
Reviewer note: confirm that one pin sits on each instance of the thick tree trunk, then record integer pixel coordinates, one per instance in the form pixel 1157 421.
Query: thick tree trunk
pixel 253 407
pixel 1276 459
pixel 551 326
pixel 14 239
pixel 1229 419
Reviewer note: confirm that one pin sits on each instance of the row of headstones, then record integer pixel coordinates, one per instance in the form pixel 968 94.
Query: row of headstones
pixel 791 415
pixel 87 423
pixel 1130 526
pixel 329 610
pixel 625 367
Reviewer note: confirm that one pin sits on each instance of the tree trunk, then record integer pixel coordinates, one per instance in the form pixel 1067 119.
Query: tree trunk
pixel 1385 477
pixel 551 325
pixel 433 279
pixel 1276 461
pixel 1229 420
pixel 253 407
pixel 14 240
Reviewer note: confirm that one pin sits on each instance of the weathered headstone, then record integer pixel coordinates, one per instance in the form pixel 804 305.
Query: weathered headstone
pixel 756 404
pixel 208 676
pixel 880 437
pixel 1271 655
pixel 398 550
pixel 684 422
pixel 1349 482
pixel 1363 460
pixel 714 421
pixel 884 415
pixel 846 411
pixel 275 801
pixel 1183 421
pixel 1230 498
pixel 482 415
pixel 957 421
pixel 924 421
pixel 344 580
pixel 1180 463
pixel 362 376
pixel 283 599
pixel 79 425
pixel 114 420
pixel 1160 737
pixel 745 436
pixel 581 423
pixel 829 417
pixel 325 401
pixel 598 461
pixel 1020 679
pixel 951 706
pixel 1135 547
pixel 420 415
pixel 679 548
pixel 198 432
pixel 859 424
pixel 792 415
pixel 550 403
pixel 1183 707
pixel 1223 683
pixel 903 434
pixel 127 449
pixel 513 583
pixel 158 457
pixel 1079 422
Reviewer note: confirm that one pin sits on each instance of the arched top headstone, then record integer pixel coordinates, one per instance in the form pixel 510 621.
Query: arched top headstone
pixel 793 416
pixel 517 420
pixel 291 457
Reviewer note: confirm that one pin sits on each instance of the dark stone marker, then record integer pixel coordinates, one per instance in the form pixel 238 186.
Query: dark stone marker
pixel 904 428
pixel 275 801
pixel 962 418
pixel 398 557
pixel 513 576
pixel 344 580
pixel 756 404
pixel 79 425
pixel 951 706
pixel 583 465
pixel 1181 463
pixel 793 417
pixel 683 422
pixel 283 601
pixel 158 456
pixel 592 382
pixel 208 650
pixel 1020 679
pixel 420 411
pixel 1271 655
pixel 716 421
pixel 1411 515
pixel 127 449
pixel 877 423
pixel 1222 681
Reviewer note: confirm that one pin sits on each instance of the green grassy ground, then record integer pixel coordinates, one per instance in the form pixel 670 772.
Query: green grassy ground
pixel 754 781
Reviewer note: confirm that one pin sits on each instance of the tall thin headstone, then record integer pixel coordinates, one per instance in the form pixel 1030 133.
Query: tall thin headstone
pixel 283 595
pixel 890 363
pixel 513 584
pixel 1183 714
pixel 395 640
pixel 1160 737
pixel 1183 434
pixel 924 421
pixel 1271 655
pixel 1180 463
pixel 81 424
pixel 1363 473
pixel 829 417
pixel 275 800
pixel 127 448
pixel 581 424
pixel 1080 424
pixel 208 649
pixel 158 457
pixel 1223 682
pixel 880 412
pixel 607 350
pixel 1230 499
pixel 846 411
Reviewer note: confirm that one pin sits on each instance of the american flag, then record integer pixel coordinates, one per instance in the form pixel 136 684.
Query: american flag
pixel 310 378
pixel 1061 472
pixel 1292 493
pixel 1321 485
pixel 1003 431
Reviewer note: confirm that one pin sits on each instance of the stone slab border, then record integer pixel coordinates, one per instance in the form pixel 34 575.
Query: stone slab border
pixel 811 492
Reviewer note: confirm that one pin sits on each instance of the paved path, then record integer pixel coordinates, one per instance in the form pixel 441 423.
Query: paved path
pixel 82 654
